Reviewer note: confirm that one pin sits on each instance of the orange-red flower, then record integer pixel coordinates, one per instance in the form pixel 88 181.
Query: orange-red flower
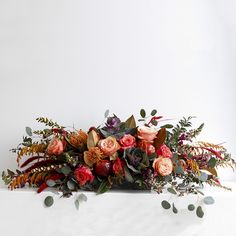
pixel 118 167
pixel 127 141
pixel 83 175
pixel 164 151
pixel 55 147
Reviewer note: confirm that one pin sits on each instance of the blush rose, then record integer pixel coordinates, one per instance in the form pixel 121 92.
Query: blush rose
pixel 109 145
pixel 147 133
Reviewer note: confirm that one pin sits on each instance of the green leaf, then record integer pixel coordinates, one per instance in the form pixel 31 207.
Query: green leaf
pixel 154 122
pixel 128 176
pixel 208 200
pixel 212 163
pixel 154 112
pixel 143 113
pixel 104 187
pixel 199 212
pixel 82 198
pixel 179 170
pixel 167 126
pixel 166 205
pixel 191 207
pixel 130 122
pixel 106 114
pixel 50 183
pixel 48 201
pixel 171 190
pixel 28 130
pixel 66 170
pixel 174 209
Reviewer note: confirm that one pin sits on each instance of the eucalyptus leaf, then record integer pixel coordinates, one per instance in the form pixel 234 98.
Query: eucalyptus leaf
pixel 191 207
pixel 106 114
pixel 199 212
pixel 71 185
pixel 28 130
pixel 82 197
pixel 143 113
pixel 166 205
pixel 167 126
pixel 48 201
pixel 171 190
pixel 77 204
pixel 154 112
pixel 50 183
pixel 174 209
pixel 66 170
pixel 203 176
pixel 208 200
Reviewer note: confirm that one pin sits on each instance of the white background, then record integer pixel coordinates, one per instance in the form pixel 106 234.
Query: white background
pixel 71 60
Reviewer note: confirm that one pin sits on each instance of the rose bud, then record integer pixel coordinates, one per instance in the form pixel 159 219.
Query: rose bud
pixel 103 168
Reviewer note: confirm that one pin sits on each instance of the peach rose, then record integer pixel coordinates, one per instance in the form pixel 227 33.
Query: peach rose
pixel 163 166
pixel 109 145
pixel 147 133
pixel 128 141
pixel 55 147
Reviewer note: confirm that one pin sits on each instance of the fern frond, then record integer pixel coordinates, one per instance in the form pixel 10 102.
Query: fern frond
pixel 36 148
pixel 19 181
pixel 213 183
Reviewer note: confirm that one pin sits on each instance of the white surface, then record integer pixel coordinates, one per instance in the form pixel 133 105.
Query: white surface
pixel 114 213
pixel 71 60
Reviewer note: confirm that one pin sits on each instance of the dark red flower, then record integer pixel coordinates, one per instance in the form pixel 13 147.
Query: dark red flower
pixel 83 175
pixel 103 168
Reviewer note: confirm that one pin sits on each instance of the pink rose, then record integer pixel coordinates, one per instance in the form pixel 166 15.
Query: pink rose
pixel 164 151
pixel 109 145
pixel 128 141
pixel 163 166
pixel 55 147
pixel 147 133
pixel 83 175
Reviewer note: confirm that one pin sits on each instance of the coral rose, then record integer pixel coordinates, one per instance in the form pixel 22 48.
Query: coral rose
pixel 127 141
pixel 83 175
pixel 163 166
pixel 147 133
pixel 55 147
pixel 146 146
pixel 118 167
pixel 164 151
pixel 109 145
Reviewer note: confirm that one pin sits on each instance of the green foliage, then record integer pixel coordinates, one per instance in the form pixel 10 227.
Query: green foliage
pixel 174 209
pixel 154 112
pixel 143 113
pixel 28 130
pixel 106 114
pixel 7 176
pixel 104 187
pixel 208 200
pixel 171 190
pixel 79 199
pixel 199 212
pixel 49 122
pixel 191 207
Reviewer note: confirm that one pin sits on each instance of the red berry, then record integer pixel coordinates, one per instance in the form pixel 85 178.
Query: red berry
pixel 103 168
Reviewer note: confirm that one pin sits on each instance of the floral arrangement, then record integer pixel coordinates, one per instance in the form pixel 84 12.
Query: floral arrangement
pixel 119 155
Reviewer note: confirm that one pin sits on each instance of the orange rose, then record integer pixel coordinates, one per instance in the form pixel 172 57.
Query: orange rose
pixel 163 166
pixel 147 133
pixel 55 147
pixel 78 139
pixel 109 146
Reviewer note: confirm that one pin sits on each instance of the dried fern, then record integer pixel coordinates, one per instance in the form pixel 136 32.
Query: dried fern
pixel 19 181
pixel 213 183
pixel 36 148
pixel 193 166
